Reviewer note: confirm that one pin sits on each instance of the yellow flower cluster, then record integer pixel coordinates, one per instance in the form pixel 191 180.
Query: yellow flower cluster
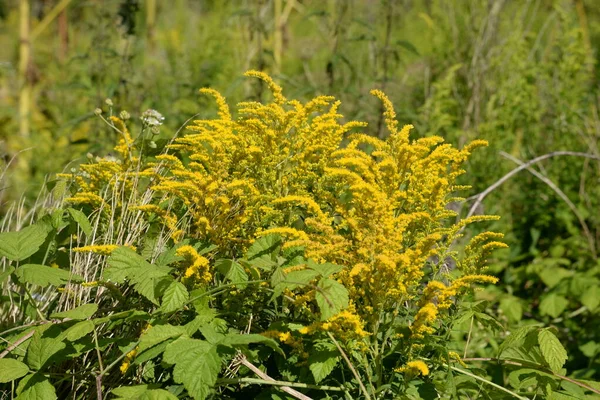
pixel 129 357
pixel 376 207
pixel 197 266
pixel 345 325
pixel 414 368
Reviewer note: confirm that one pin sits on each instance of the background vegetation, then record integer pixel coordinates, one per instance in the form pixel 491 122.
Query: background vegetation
pixel 521 74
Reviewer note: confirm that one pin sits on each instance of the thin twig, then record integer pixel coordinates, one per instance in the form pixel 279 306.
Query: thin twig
pixel 563 196
pixel 462 371
pixel 266 377
pixel 228 381
pixel 354 372
pixel 16 344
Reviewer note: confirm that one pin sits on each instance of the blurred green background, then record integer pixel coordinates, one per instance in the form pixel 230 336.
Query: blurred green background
pixel 522 74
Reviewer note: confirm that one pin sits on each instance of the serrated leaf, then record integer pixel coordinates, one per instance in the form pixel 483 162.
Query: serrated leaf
pixel 553 305
pixel 554 275
pixel 81 219
pixel 300 278
pixel 175 296
pixel 43 276
pixel 277 277
pixel 237 339
pixel 553 351
pixel 233 271
pixel 265 246
pixel 41 349
pixel 159 333
pixel 152 287
pixel 35 387
pixel 197 365
pixel 17 246
pixel 331 298
pixel 146 394
pixel 322 361
pixel 516 338
pixel 11 369
pixel 123 264
pixel 512 308
pixel 79 330
pixel 82 312
pixel 591 297
pixel 326 270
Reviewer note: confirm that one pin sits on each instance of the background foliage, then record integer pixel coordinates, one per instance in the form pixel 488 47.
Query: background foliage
pixel 520 74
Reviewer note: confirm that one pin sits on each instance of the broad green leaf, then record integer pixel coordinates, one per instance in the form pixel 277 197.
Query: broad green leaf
pixel 266 245
pixel 123 264
pixel 79 330
pixel 516 338
pixel 322 360
pixel 175 296
pixel 35 387
pixel 41 349
pixel 17 246
pixel 553 305
pixel 159 333
pixel 197 365
pixel 531 355
pixel 233 271
pixel 277 277
pixel 43 276
pixel 326 270
pixel 11 369
pixel 142 392
pixel 331 298
pixel 81 219
pixel 591 297
pixel 238 339
pixel 152 287
pixel 552 276
pixel 553 351
pixel 82 312
pixel 300 278
pixel 512 308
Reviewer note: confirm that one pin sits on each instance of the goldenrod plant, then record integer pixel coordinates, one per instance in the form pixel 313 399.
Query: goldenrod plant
pixel 271 252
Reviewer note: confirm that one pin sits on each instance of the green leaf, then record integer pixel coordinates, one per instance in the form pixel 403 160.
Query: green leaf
pixel 41 349
pixel 516 338
pixel 79 330
pixel 266 245
pixel 159 333
pixel 553 351
pixel 512 308
pixel 11 369
pixel 553 305
pixel 197 365
pixel 142 392
pixel 332 298
pixel 237 339
pixel 82 312
pixel 326 270
pixel 35 387
pixel 591 297
pixel 3 275
pixel 123 264
pixel 233 271
pixel 81 219
pixel 554 275
pixel 300 278
pixel 17 246
pixel 152 287
pixel 175 296
pixel 43 276
pixel 323 360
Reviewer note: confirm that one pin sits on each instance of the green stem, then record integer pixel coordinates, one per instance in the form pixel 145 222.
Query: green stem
pixel 354 372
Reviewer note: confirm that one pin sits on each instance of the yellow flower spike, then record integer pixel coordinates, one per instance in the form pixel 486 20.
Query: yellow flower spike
pixel 273 87
pixel 389 113
pixel 224 113
pixel 415 368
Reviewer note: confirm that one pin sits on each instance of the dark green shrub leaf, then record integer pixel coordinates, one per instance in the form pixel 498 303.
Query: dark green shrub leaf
pixel 197 365
pixel 266 245
pixel 81 219
pixel 142 392
pixel 322 360
pixel 35 387
pixel 591 297
pixel 237 339
pixel 79 330
pixel 123 264
pixel 233 271
pixel 17 246
pixel 43 276
pixel 11 369
pixel 159 333
pixel 41 349
pixel 175 296
pixel 512 308
pixel 82 312
pixel 332 298
pixel 553 351
pixel 553 305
